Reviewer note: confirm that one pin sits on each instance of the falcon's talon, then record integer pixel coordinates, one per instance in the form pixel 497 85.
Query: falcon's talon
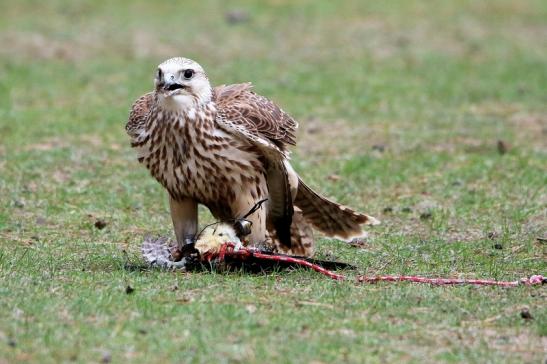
pixel 176 254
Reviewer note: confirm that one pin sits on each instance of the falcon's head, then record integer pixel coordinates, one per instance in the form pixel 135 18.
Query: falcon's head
pixel 182 84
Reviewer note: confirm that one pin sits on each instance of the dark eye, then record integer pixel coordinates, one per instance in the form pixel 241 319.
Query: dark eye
pixel 188 74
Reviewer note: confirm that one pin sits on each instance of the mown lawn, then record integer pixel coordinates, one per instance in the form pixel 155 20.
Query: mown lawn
pixel 431 116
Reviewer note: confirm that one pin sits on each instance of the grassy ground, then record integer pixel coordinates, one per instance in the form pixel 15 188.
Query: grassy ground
pixel 401 106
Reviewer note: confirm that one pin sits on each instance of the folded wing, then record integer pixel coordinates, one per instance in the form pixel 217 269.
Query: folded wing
pixel 259 121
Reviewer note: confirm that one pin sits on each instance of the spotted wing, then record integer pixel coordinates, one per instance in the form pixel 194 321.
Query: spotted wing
pixel 257 114
pixel 138 115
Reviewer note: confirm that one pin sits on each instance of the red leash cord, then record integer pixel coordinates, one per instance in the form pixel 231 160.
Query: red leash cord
pixel 227 250
pixel 535 279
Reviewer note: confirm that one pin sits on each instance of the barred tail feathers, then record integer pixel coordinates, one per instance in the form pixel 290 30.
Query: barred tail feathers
pixel 329 217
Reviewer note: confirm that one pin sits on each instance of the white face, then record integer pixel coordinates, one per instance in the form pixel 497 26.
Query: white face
pixel 182 84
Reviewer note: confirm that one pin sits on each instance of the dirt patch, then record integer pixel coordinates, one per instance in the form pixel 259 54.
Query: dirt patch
pixel 418 228
pixel 515 344
pixel 47 145
pixel 521 343
pixel 531 122
pixel 91 139
pixel 37 46
pixel 61 176
pixel 530 126
pixel 462 143
pixel 343 138
pixel 537 224
pixel 81 142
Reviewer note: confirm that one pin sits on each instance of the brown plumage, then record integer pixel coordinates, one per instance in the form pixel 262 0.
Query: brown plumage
pixel 256 113
pixel 226 148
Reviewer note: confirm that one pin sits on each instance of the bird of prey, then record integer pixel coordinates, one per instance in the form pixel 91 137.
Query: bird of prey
pixel 227 148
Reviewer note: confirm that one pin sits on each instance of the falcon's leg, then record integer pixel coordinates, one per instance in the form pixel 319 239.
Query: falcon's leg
pixel 258 229
pixel 185 219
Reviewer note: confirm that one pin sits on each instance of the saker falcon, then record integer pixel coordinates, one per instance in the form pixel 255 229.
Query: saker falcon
pixel 226 148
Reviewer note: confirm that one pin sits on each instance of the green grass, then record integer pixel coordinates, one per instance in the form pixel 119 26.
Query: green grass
pixel 437 84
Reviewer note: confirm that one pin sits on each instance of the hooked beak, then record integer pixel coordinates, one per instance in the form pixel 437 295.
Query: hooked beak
pixel 172 86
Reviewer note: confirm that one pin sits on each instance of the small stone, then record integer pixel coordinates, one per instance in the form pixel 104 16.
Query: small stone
pixel 19 204
pixel 100 224
pixel 329 254
pixel 236 16
pixel 106 358
pixel 402 41
pixel 379 148
pixel 525 314
pixel 334 177
pixel 250 308
pixel 503 147
pixel 41 221
pixel 185 299
pixel 129 289
pixel 358 242
pixel 313 129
